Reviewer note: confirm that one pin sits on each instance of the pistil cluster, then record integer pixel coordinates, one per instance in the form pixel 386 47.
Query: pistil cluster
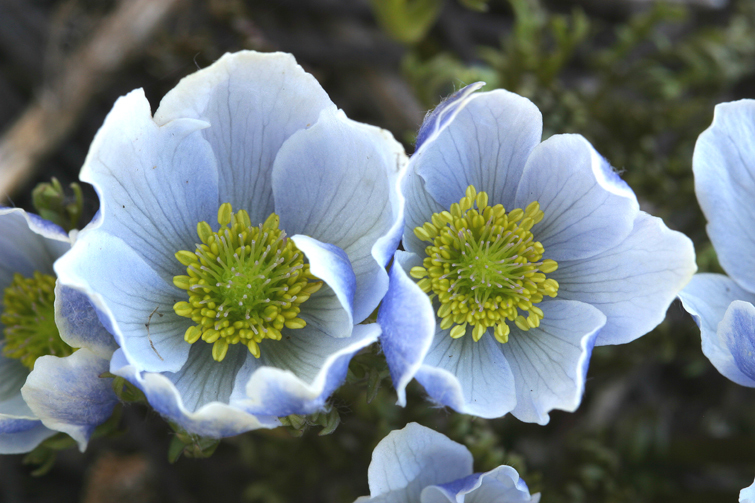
pixel 484 267
pixel 29 319
pixel 244 283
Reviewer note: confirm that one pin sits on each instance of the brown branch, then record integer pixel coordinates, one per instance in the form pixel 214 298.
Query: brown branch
pixel 59 105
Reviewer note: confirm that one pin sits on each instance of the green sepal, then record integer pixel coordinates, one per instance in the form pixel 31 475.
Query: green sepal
pixel 190 445
pixel 297 424
pixel 124 390
pixel 52 203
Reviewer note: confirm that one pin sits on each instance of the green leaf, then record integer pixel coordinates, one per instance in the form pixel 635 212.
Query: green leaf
pixel 407 21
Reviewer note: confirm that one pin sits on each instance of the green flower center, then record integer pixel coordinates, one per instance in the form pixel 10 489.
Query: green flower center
pixel 29 319
pixel 244 283
pixel 484 267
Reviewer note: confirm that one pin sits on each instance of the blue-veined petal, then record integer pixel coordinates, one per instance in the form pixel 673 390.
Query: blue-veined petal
pixel 302 370
pixel 632 283
pixel 253 103
pixel 78 323
pixel 587 207
pixel 707 298
pixel 68 394
pixel 486 145
pixel 499 485
pixel 336 182
pixel 550 362
pixel 478 369
pixel 135 302
pixel 410 459
pixel 331 308
pixel 25 252
pixel 408 324
pixel 155 182
pixel 724 167
pixel 214 419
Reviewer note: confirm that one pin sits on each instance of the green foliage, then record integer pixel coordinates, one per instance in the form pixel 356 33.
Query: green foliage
pixel 407 21
pixel 52 203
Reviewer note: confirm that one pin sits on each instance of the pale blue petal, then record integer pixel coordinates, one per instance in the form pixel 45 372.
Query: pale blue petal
pixel 724 167
pixel 444 113
pixel 632 283
pixel 68 394
pixel 27 435
pixel 747 495
pixel 155 182
pixel 588 208
pixel 135 303
pixel 479 369
pixel 302 370
pixel 203 380
pixel 407 321
pixel 420 207
pixel 499 485
pixel 737 332
pixel 78 323
pixel 215 419
pixel 253 103
pixel 410 459
pixel 337 182
pixel 27 244
pixel 331 308
pixel 550 362
pixel 707 298
pixel 486 145
pixel 12 376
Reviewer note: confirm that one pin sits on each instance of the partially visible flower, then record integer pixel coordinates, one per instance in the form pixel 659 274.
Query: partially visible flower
pixel 419 465
pixel 724 306
pixel 747 495
pixel 45 384
pixel 244 234
pixel 520 257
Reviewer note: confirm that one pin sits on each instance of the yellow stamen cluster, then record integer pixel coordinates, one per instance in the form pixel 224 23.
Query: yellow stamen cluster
pixel 484 267
pixel 244 283
pixel 29 319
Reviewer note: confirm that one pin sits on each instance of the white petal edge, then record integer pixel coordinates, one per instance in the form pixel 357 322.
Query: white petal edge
pixel 214 420
pixel 281 392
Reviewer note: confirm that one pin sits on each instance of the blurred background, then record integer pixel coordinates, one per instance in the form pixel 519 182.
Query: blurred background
pixel 638 78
